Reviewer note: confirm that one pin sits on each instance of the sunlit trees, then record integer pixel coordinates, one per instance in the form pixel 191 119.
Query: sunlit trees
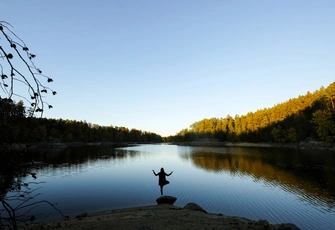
pixel 330 95
pixel 278 134
pixel 307 116
pixel 324 117
pixel 325 125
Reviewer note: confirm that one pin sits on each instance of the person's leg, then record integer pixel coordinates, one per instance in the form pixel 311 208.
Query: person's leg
pixel 162 190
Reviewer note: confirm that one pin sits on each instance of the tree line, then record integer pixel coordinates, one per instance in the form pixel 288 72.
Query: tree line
pixel 311 116
pixel 20 128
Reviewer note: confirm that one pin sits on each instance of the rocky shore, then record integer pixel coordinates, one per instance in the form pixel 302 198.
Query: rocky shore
pixel 160 217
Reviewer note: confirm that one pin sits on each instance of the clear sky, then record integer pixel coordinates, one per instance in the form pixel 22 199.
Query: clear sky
pixel 161 65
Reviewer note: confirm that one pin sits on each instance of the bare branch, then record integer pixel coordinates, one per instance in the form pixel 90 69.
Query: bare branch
pixel 18 68
pixel 35 87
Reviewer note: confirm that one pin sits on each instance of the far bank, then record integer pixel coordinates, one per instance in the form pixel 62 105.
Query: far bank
pixel 317 145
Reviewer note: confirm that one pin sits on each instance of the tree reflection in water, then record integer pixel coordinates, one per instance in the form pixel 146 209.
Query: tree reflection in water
pixel 302 172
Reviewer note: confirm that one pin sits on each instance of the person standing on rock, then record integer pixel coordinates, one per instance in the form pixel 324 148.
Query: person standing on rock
pixel 162 178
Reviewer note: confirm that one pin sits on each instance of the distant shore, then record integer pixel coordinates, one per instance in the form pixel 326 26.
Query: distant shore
pixel 58 145
pixel 317 145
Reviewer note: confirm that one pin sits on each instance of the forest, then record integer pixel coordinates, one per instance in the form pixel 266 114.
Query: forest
pixel 311 116
pixel 307 117
pixel 20 128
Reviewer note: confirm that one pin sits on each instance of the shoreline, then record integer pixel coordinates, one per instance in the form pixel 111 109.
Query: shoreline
pixel 159 217
pixel 304 145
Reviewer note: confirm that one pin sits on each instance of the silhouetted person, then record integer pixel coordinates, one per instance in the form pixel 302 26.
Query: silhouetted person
pixel 162 178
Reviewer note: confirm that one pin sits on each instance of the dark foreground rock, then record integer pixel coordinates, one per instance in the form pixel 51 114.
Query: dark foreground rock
pixel 194 207
pixel 166 200
pixel 160 217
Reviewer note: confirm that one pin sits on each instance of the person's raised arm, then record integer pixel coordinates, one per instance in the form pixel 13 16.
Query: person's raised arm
pixel 154 172
pixel 169 173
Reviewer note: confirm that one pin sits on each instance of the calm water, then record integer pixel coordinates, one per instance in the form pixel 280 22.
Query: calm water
pixel 278 185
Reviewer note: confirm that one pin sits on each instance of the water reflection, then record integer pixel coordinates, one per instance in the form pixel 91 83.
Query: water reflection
pixel 274 184
pixel 66 162
pixel 76 157
pixel 306 173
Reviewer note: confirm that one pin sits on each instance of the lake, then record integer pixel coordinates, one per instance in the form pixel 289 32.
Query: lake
pixel 279 185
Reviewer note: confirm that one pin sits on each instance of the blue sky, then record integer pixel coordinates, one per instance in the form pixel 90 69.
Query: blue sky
pixel 162 65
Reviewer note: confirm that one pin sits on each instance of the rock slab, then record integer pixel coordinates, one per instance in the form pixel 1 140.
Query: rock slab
pixel 166 200
pixel 194 207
